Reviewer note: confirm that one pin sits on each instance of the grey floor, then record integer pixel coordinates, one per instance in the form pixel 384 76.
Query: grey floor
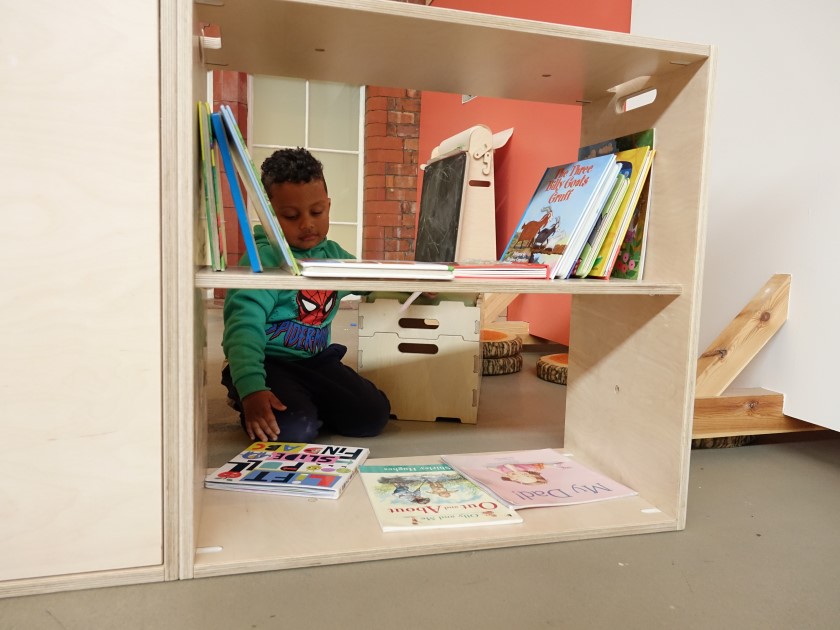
pixel 760 550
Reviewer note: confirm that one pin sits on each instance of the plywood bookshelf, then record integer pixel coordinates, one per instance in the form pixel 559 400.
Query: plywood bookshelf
pixel 633 344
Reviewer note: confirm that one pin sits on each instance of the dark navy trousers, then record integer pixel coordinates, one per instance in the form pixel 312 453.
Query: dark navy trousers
pixel 320 392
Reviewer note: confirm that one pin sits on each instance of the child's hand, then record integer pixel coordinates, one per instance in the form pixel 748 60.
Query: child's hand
pixel 260 423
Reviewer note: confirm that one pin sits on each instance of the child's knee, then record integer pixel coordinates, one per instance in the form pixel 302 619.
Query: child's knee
pixel 298 426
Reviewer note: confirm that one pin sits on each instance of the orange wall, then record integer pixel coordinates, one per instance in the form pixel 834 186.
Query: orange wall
pixel 544 135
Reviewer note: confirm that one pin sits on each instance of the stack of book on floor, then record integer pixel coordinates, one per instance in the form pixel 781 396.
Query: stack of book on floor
pixel 290 468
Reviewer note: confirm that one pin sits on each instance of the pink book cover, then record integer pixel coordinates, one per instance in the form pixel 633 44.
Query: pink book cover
pixel 537 478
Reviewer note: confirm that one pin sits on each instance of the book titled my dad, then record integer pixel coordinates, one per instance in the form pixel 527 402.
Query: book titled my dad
pixel 536 478
pixel 290 468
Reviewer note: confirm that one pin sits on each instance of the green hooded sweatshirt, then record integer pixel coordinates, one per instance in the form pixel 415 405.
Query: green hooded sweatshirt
pixel 287 324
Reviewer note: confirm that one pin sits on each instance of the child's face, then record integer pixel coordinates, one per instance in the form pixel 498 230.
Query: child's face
pixel 303 211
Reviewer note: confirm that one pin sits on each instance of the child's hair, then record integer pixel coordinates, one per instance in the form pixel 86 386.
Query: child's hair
pixel 298 166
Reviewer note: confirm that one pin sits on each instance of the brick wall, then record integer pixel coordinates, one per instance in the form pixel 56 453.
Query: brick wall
pixel 392 127
pixel 231 89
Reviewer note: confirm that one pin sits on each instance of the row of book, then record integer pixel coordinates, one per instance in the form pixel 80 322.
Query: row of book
pixel 221 143
pixel 586 219
pixel 447 491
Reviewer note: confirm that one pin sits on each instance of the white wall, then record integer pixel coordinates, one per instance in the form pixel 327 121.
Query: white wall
pixel 773 206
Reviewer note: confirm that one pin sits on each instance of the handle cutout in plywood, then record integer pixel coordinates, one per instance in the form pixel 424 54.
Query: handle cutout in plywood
pixel 417 348
pixel 634 94
pixel 635 101
pixel 417 323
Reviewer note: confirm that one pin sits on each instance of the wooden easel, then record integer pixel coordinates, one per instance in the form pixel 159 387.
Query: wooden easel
pixel 722 412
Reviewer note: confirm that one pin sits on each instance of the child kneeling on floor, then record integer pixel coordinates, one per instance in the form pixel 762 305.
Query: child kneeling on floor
pixel 284 376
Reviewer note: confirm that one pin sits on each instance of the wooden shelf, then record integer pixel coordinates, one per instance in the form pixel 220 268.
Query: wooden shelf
pixel 633 348
pixel 230 543
pixel 244 278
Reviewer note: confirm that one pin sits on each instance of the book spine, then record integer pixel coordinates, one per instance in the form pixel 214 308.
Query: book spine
pixel 236 193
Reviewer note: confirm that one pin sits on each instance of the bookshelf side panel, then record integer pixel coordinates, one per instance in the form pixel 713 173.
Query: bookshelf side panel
pixel 633 359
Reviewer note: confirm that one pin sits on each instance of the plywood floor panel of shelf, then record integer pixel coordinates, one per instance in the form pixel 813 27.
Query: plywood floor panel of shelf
pixel 243 532
pixel 244 278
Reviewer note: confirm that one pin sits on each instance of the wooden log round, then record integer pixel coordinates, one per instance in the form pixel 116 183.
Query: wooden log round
pixel 553 368
pixel 501 365
pixel 496 344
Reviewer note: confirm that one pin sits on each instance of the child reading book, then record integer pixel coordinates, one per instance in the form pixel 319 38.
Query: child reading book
pixel 283 375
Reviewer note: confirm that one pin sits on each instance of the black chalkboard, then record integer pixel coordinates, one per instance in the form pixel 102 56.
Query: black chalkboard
pixel 440 209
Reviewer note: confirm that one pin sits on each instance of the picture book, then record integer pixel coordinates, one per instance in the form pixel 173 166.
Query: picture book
pixel 220 135
pixel 288 468
pixel 392 269
pixel 256 193
pixel 628 251
pixel 605 219
pixel 430 496
pixel 502 270
pixel 215 169
pixel 536 478
pixel 208 187
pixel 630 260
pixel 561 214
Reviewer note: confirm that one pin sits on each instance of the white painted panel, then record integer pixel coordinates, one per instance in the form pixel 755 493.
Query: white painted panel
pixel 772 202
pixel 80 310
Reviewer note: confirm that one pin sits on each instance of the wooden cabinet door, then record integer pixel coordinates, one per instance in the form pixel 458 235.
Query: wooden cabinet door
pixel 80 401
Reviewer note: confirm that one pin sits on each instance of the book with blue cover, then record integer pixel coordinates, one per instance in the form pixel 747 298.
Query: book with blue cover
pixel 562 213
pixel 250 176
pixel 220 135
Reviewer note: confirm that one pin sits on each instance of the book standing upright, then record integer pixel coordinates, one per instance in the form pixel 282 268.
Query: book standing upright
pixel 236 192
pixel 622 252
pixel 561 214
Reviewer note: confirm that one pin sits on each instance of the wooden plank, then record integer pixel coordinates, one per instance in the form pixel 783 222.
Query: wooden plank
pixel 229 543
pixel 735 347
pixel 493 305
pixel 750 411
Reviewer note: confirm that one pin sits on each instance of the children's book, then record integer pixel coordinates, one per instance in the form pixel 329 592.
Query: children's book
pixel 289 468
pixel 208 187
pixel 428 496
pixel 630 260
pixel 562 213
pixel 502 270
pixel 623 251
pixel 605 219
pixel 256 193
pixel 536 478
pixel 220 135
pixel 215 169
pixel 352 268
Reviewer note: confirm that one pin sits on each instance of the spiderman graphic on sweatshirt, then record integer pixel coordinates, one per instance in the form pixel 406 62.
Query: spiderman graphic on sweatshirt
pixel 310 332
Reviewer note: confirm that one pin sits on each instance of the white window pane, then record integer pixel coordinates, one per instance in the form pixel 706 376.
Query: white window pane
pixel 333 116
pixel 279 111
pixel 341 171
pixel 345 235
pixel 259 155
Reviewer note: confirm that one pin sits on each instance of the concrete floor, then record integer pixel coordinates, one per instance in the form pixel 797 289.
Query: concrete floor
pixel 760 550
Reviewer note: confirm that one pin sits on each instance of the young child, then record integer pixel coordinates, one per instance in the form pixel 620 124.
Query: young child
pixel 285 377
